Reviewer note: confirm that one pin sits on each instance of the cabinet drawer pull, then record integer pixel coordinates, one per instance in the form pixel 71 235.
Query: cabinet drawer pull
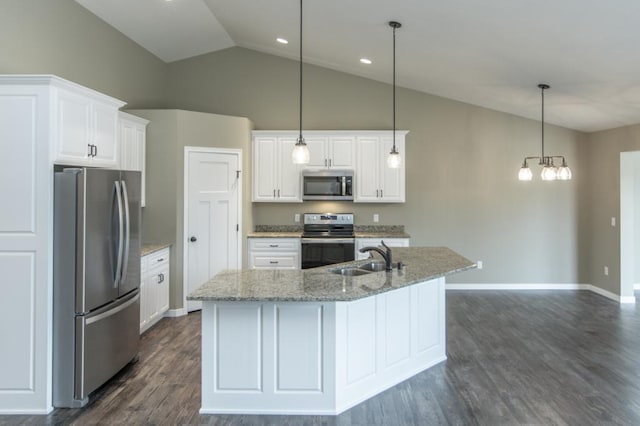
pixel 273 262
pixel 278 193
pixel 377 193
pixel 95 150
pixel 160 260
pixel 160 278
pixel 274 193
pixel 90 150
pixel 329 162
pixel 274 245
pixel 381 196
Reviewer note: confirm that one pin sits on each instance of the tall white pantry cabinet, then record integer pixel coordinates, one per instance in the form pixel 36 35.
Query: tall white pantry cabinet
pixel 42 119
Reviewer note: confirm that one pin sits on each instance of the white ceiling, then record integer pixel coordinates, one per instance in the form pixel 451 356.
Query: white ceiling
pixel 490 53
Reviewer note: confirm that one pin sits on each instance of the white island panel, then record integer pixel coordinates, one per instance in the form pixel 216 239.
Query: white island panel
pixel 299 347
pixel 397 327
pixel 238 348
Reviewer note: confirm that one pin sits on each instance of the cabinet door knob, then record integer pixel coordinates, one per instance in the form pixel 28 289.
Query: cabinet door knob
pixel 193 239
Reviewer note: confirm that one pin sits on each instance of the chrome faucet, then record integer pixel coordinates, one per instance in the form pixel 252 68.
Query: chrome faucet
pixel 386 255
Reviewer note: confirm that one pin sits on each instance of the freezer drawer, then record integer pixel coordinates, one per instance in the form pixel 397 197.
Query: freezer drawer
pixel 105 342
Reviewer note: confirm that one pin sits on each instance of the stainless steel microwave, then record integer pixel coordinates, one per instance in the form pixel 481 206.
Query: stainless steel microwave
pixel 327 185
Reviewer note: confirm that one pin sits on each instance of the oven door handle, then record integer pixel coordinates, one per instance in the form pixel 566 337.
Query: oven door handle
pixel 327 241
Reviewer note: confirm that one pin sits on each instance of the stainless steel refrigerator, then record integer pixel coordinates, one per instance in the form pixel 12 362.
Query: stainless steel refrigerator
pixel 96 315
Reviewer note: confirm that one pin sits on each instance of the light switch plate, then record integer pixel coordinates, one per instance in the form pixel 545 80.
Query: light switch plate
pixel 613 221
pixel 376 217
pixel 296 217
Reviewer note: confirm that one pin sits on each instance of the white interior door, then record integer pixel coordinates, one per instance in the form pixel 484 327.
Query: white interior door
pixel 213 216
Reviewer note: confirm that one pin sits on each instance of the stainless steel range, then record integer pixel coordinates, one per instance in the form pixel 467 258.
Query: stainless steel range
pixel 327 238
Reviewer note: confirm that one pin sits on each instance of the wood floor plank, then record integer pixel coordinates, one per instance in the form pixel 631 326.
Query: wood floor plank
pixel 534 357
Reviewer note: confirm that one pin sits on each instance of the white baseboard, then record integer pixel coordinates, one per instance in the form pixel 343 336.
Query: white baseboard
pixel 542 286
pixel 172 313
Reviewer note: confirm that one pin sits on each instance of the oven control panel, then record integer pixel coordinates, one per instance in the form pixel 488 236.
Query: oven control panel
pixel 328 219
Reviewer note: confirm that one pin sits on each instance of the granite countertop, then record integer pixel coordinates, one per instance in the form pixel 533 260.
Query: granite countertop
pixel 152 248
pixel 275 234
pixel 360 231
pixel 381 234
pixel 317 284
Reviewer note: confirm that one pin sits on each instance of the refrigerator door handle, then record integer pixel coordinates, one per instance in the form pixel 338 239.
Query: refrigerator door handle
pixel 116 279
pixel 127 230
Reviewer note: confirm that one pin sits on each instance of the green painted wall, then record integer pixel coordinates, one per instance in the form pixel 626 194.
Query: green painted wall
pixel 603 195
pixel 462 161
pixel 169 132
pixel 61 37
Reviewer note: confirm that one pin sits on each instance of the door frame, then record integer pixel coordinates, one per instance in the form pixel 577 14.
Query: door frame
pixel 185 212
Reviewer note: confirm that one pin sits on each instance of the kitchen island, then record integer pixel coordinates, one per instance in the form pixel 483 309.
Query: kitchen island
pixel 317 342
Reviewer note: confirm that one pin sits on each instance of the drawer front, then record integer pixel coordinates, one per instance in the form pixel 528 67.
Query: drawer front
pixel 274 244
pixel 158 258
pixel 284 261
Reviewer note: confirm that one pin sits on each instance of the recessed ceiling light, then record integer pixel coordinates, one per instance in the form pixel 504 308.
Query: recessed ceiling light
pixel 282 40
pixel 365 61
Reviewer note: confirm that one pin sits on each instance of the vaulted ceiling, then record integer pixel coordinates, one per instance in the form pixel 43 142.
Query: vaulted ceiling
pixel 490 53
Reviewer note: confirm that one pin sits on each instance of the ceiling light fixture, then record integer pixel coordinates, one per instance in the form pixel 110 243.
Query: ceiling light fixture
pixel 300 153
pixel 365 61
pixel 549 170
pixel 282 40
pixel 394 160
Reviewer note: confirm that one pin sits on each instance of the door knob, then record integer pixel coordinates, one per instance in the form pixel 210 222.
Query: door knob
pixel 193 239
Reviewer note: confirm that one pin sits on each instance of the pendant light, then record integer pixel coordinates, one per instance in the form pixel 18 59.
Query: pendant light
pixel 300 153
pixel 549 169
pixel 394 159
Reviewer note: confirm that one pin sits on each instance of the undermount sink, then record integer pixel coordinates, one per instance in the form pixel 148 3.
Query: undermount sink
pixel 373 266
pixel 349 272
pixel 365 268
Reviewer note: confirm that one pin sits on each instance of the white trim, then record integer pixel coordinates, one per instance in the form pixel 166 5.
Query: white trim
pixel 542 286
pixel 26 412
pixel 510 286
pixel 172 313
pixel 636 286
pixel 185 202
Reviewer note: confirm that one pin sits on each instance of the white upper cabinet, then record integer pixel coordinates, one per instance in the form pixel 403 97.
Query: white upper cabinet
pixel 87 127
pixel 132 140
pixel 275 178
pixel 330 151
pixel 375 182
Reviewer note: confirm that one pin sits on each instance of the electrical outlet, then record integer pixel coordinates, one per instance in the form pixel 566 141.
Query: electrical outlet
pixel 479 264
pixel 296 217
pixel 613 221
pixel 376 217
pixel 606 270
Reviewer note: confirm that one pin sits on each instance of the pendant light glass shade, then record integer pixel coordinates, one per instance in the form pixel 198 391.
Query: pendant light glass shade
pixel 525 173
pixel 564 172
pixel 300 154
pixel 549 173
pixel 394 160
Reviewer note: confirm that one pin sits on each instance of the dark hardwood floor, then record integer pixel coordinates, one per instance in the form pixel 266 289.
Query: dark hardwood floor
pixel 533 357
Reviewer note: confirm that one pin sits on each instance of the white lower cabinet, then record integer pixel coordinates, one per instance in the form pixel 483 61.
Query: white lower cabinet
pixel 274 253
pixel 154 288
pixel 375 242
